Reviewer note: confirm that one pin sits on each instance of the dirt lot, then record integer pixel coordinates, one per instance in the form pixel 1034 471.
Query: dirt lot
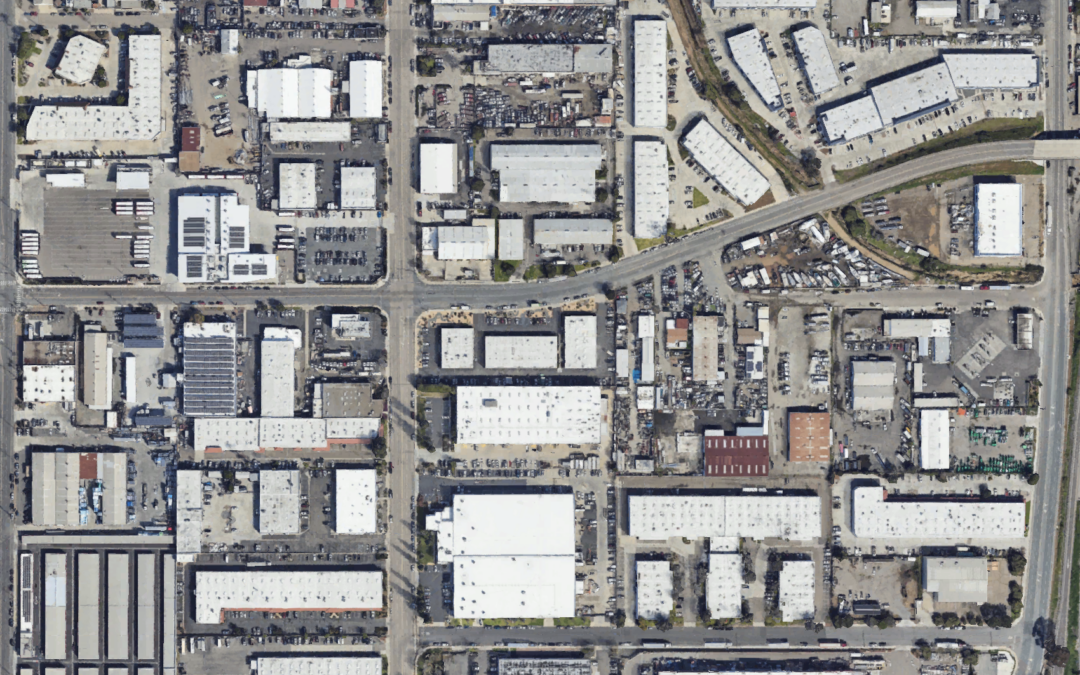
pixel 894 583
pixel 920 211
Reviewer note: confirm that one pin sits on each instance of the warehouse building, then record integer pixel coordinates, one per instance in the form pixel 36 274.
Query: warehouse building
pixel 654 589
pixel 723 584
pixel 722 161
pixel 72 489
pixel 755 515
pixel 97 370
pixel 546 59
pixel 252 434
pixel 209 359
pixel 579 342
pixel 956 579
pixel 48 371
pixel 901 327
pixel 876 515
pixel 140 120
pixel 142 331
pixel 873 385
pixel 465 242
pixel 749 54
pixel 796 593
pixel 547 172
pixel 317 665
pixel 56 606
pixel 438 168
pixel 999 219
pixel 296 186
pixel 850 120
pixel 706 350
pixel 189 503
pixel 651 189
pixel 735 456
pixel 213 232
pixel 650 74
pixel 365 89
pixel 809 436
pixel 815 60
pixel 310 132
pixel 277 370
pixel 993 70
pixel 80 61
pixel 556 232
pixel 118 598
pixel 279 502
pixel 458 349
pixel 356 501
pixel 1025 329
pixel 934 439
pixel 513 352
pixel 512 554
pixel 358 187
pixel 763 4
pixel 511 235
pixel 260 590
pixel 915 94
pixel 935 11
pixel 87 617
pixel 291 93
pixel 530 415
pixel 545 666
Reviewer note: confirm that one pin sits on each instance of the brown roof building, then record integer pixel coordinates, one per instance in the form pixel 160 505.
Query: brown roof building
pixel 190 138
pixel 677 334
pixel 809 437
pixel 736 456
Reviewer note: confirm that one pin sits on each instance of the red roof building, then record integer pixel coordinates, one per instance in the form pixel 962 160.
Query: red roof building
pixel 727 456
pixel 190 139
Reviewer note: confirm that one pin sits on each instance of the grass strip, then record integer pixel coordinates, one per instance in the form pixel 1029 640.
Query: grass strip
pixel 1063 491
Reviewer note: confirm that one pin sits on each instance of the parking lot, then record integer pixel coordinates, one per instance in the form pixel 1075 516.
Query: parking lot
pixel 343 254
pixel 77 240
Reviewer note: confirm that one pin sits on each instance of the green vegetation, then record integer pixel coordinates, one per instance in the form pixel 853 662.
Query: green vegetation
pixel 27 45
pixel 700 199
pixel 1063 491
pixel 100 78
pixel 671 121
pixel 425 65
pixel 1003 168
pixel 985 131
pixel 187 28
pixel 502 270
pixel 575 621
pixel 549 271
pixel 444 389
pixel 513 622
pixel 423 429
pixel 1074 598
pixel 601 194
pixel 643 244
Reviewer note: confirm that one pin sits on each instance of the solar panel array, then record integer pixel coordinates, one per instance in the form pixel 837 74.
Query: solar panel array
pixel 209 376
pixel 141 331
pixel 194 233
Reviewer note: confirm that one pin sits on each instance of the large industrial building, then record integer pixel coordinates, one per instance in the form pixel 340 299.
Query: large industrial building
pixel 358 187
pixel 723 584
pixel 189 503
pixel 651 188
pixel 796 592
pixel 81 58
pixel 511 239
pixel 875 515
pixel 253 434
pixel 72 488
pixel 140 120
pixel 356 501
pixel 547 172
pixel 579 342
pixel 650 74
pixel 555 232
pixel 48 371
pixel 296 186
pixel 735 456
pixel 908 327
pixel 722 161
pixel 809 436
pixel 850 120
pixel 279 502
pixel 993 70
pixel 654 589
pixel 512 554
pixel 55 618
pixel 873 385
pixel 277 370
pixel 515 352
pixel 263 589
pixel 956 579
pixel 815 60
pixel 529 415
pixel 706 349
pixel 97 370
pixel 209 360
pixel 317 665
pixel 754 515
pixel 438 168
pixel 458 349
pixel 934 439
pixel 463 242
pixel 546 59
pixel 311 132
pixel 290 93
pixel 999 219
pixel 213 236
pixel 365 89
pixel 749 54
pixel 914 94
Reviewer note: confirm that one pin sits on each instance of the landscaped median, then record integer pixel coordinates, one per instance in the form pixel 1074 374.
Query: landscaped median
pixel 989 130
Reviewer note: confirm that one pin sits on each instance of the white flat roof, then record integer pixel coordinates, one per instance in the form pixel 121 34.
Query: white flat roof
pixel 526 587
pixel 651 188
pixel 767 4
pixel 438 168
pixel 365 89
pixel 189 505
pixel 511 233
pixel 566 231
pixel 249 434
pixel 296 186
pixel 358 187
pixel 935 9
pixel 355 501
pixel 914 94
pixel 724 163
pixel 750 515
pixel 258 590
pixel 916 327
pixel 993 70
pixel 140 120
pixel 290 93
pixel 528 524
pixel 277 375
pixel 252 267
pixel 815 59
pixel 956 579
pixel 310 132
pixel 133 179
pixel 654 589
pixel 999 219
pixel 546 172
pixel 723 586
pixel 80 60
pixel 748 52
pixel 932 517
pixel 457 348
pixel 934 439
pixel 846 122
pixel 66 179
pixel 796 593
pixel 318 665
pixel 579 342
pixel 650 74
pixel 467 242
pixel 279 502
pixel 48 384
pixel 521 351
pixel 527 415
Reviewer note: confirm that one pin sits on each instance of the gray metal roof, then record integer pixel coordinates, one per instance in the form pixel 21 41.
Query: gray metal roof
pixel 565 231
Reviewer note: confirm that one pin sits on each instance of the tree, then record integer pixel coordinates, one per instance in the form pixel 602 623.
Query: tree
pixel 477 184
pixel 601 194
pixel 619 619
pixel 971 657
pixel 1017 562
pixel 1033 479
pixel 26 46
pixel 187 28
